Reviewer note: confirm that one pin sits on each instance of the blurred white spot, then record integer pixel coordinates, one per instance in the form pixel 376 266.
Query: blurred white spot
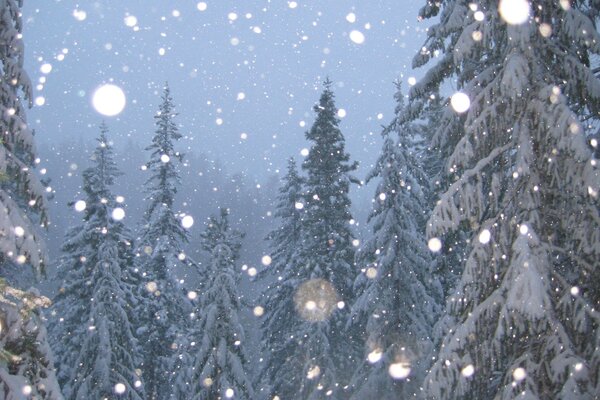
pixel 40 101
pixel 232 16
pixel 434 244
pixel 118 214
pixel 119 199
pixel 46 68
pixel 201 6
pixel 514 12
pixel 79 15
pixel 257 29
pixel 468 371
pixel 594 142
pixel 304 152
pixel 187 221
pixel 485 236
pixel 341 113
pixel 298 205
pixel 574 291
pixel 27 390
pixel 137 383
pixel 161 51
pixel 19 231
pixel 241 96
pixel 341 305
pixel 120 388
pixel 302 124
pixel 351 17
pixel 252 272
pixel 380 116
pixel 258 311
pixel 412 81
pixel 229 393
pixel 313 372
pixel 460 102
pixel 207 382
pixel 80 205
pixel 292 4
pixel 371 273
pixel 176 13
pixel 523 229
pixel 399 370
pixel 519 374
pixel 578 367
pixel 374 356
pixel 545 30
pixel 21 259
pixel 266 260
pixel 382 196
pixel 219 121
pixel 151 287
pixel 108 100
pixel 192 295
pixel 130 21
pixel 244 136
pixel 165 158
pixel 181 256
pixel 315 300
pixel 479 16
pixel 357 37
pixel 355 242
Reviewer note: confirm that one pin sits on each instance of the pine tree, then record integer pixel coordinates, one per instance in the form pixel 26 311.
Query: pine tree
pixel 279 320
pixel 220 368
pixel 93 334
pixel 397 296
pixel 163 316
pixel 528 188
pixel 320 350
pixel 26 366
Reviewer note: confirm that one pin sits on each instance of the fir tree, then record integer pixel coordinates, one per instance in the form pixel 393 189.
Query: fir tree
pixel 527 187
pixel 220 368
pixel 397 297
pixel 279 320
pixel 163 314
pixel 93 334
pixel 26 366
pixel 320 350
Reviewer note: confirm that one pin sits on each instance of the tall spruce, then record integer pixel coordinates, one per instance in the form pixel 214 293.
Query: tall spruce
pixel 26 365
pixel 398 297
pixel 319 355
pixel 280 318
pixel 527 186
pixel 220 368
pixel 97 353
pixel 163 316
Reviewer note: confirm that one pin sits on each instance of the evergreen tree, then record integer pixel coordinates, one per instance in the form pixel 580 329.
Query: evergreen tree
pixel 165 309
pixel 220 368
pixel 527 187
pixel 279 320
pixel 320 351
pixel 93 334
pixel 397 297
pixel 26 367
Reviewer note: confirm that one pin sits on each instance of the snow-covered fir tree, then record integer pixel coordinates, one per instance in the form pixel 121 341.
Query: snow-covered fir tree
pixel 280 317
pixel 320 349
pixel 93 336
pixel 398 297
pixel 527 186
pixel 220 368
pixel 164 313
pixel 26 365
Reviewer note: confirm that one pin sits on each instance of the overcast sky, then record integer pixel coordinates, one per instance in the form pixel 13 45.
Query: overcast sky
pixel 234 67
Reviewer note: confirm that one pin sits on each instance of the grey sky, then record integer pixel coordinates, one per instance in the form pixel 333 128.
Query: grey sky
pixel 282 57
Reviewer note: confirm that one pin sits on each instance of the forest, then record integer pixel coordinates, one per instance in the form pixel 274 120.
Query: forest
pixel 134 269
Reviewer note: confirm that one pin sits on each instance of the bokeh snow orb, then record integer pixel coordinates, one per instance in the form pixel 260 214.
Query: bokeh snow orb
pixel 514 12
pixel 46 68
pixel 130 21
pixel 19 231
pixel 109 100
pixel 468 371
pixel 460 102
pixel 120 388
pixel 118 214
pixel 399 370
pixel 201 6
pixel 80 205
pixel 374 356
pixel 315 300
pixel 434 244
pixel 485 236
pixel 519 374
pixel 357 37
pixel 187 221
pixel 266 260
